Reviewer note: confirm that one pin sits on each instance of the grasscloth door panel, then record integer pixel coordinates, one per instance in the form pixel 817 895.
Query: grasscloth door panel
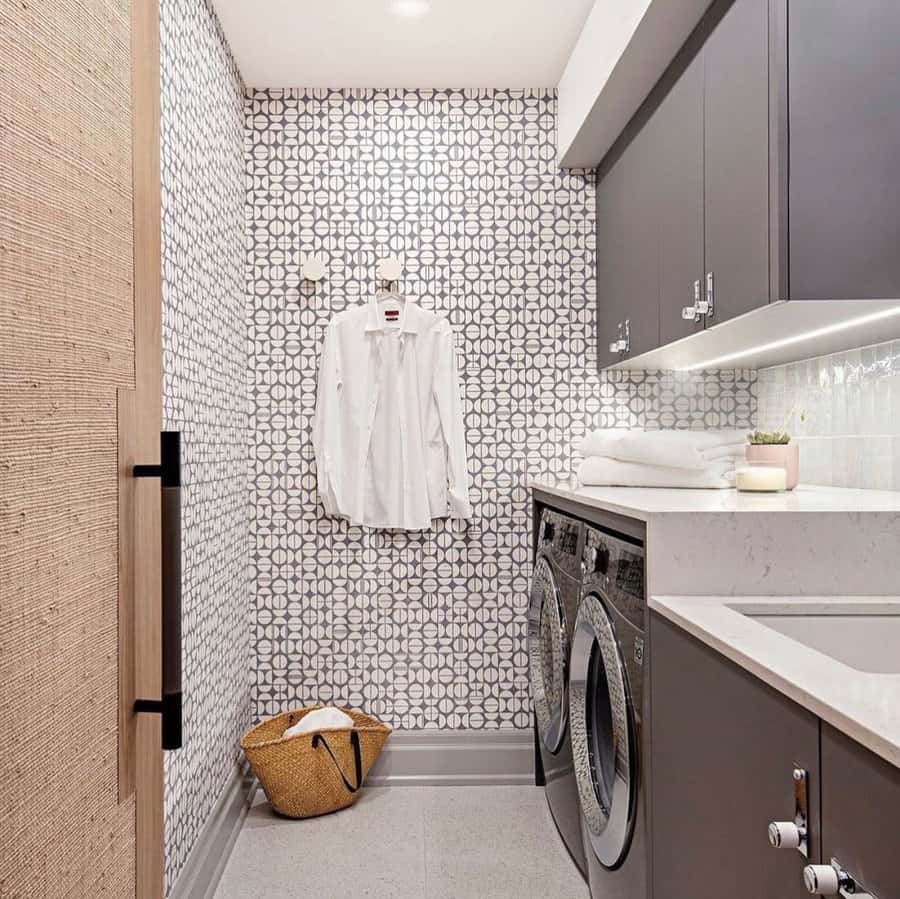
pixel 67 347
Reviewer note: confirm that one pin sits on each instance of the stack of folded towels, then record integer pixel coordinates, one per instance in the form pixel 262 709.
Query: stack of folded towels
pixel 661 458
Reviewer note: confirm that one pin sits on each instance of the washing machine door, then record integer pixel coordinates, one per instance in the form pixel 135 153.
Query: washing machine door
pixel 603 733
pixel 548 655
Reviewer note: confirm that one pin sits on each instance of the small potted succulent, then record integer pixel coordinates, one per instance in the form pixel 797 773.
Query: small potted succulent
pixel 775 448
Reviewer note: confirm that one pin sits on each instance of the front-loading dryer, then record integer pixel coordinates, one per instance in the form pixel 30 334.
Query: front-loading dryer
pixel 555 593
pixel 606 683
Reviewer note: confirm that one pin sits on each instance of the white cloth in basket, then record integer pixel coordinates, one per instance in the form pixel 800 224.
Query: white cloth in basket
pixel 328 718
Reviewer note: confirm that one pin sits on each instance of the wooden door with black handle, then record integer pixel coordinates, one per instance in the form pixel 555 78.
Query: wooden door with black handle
pixel 80 405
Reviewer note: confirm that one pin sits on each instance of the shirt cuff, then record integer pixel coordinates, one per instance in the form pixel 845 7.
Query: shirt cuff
pixel 460 507
pixel 326 494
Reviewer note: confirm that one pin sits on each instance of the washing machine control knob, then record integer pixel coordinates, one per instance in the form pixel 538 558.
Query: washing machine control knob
pixel 599 560
pixel 786 835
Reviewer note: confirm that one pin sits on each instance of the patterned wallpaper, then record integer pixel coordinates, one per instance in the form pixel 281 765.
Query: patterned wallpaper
pixel 426 629
pixel 205 395
pixel 844 411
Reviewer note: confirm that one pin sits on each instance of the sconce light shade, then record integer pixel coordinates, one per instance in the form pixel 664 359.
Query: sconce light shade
pixel 312 267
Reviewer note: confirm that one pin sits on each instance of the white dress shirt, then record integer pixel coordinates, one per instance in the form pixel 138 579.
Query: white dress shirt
pixel 388 435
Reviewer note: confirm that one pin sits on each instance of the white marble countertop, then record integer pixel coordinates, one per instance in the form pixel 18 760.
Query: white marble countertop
pixel 861 704
pixel 644 502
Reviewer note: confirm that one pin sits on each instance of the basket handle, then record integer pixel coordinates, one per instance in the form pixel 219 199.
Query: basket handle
pixel 354 742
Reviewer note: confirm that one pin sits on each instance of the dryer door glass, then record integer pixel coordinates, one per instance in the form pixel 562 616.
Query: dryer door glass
pixel 548 653
pixel 603 733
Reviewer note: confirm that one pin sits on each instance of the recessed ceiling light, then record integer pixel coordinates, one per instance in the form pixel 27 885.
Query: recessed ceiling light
pixel 411 9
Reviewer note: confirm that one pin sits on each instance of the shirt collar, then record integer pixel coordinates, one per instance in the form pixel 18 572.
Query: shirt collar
pixel 408 315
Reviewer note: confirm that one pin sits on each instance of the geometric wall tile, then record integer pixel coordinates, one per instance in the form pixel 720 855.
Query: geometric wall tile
pixel 426 629
pixel 206 397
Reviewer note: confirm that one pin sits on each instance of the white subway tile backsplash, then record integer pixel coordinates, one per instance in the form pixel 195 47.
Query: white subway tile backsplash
pixel 844 411
pixel 846 461
pixel 877 463
pixel 816 458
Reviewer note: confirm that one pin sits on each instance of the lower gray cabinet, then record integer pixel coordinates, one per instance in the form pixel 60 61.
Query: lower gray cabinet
pixel 723 748
pixel 723 752
pixel 861 814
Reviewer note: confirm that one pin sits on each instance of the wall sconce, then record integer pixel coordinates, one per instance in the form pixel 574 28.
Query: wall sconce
pixel 312 267
pixel 389 268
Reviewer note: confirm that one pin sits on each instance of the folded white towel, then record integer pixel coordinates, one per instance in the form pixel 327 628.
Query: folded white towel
pixel 598 471
pixel 674 449
pixel 327 718
pixel 732 451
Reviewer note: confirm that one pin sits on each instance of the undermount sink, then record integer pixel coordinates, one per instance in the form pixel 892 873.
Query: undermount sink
pixel 863 636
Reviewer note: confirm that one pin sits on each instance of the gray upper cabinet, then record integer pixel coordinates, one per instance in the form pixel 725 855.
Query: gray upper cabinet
pixel 844 149
pixel 641 259
pixel 627 264
pixel 612 210
pixel 679 124
pixel 765 163
pixel 736 159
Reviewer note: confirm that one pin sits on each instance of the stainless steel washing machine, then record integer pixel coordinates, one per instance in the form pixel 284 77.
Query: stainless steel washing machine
pixel 606 683
pixel 555 593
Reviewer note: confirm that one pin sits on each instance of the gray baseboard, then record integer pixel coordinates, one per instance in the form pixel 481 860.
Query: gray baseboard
pixel 204 866
pixel 455 758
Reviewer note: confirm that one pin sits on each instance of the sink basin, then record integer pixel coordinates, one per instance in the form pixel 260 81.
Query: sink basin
pixel 865 637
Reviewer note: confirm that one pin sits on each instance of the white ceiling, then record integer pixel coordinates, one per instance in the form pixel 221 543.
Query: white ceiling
pixel 372 43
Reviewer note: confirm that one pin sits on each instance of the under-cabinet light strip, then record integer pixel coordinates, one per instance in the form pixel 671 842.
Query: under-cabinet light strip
pixel 824 331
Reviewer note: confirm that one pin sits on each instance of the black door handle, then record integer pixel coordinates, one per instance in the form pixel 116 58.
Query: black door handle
pixel 169 473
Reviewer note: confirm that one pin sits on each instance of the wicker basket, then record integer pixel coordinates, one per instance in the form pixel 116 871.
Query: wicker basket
pixel 313 774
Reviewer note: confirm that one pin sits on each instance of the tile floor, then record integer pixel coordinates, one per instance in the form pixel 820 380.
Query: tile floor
pixel 398 842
